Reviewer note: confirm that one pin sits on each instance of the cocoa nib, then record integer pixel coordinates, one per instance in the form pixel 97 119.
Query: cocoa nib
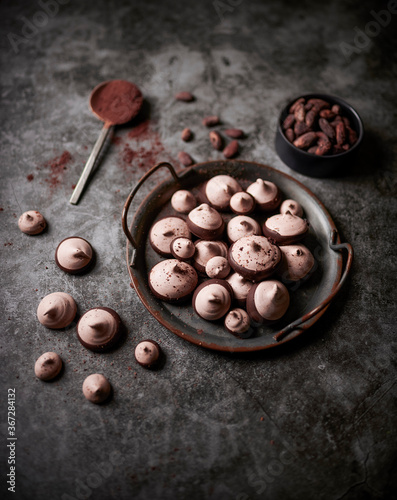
pixel 185 159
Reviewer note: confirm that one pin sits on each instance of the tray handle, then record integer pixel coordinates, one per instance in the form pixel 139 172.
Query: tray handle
pixel 133 193
pixel 336 247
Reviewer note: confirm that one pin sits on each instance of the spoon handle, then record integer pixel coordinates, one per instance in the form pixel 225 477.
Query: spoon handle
pixel 90 164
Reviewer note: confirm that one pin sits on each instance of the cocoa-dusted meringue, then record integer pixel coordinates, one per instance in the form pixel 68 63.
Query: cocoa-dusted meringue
pixel 182 248
pixel 147 353
pixel 172 280
pixel 205 250
pixel 238 323
pixel 183 201
pixel 74 255
pixel 205 222
pixel 212 299
pixel 57 310
pixel 48 366
pixel 254 257
pixel 32 222
pixel 99 329
pixel 266 194
pixel 291 206
pixel 241 287
pixel 286 228
pixel 242 203
pixel 220 189
pixel 267 301
pixel 164 231
pixel 96 388
pixel 217 267
pixel 240 226
pixel 297 263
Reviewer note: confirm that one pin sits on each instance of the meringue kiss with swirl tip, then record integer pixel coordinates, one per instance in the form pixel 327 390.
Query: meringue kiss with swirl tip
pixel 286 228
pixel 254 257
pixel 32 222
pixel 164 231
pixel 241 287
pixel 217 267
pixel 205 222
pixel 267 301
pixel 291 206
pixel 96 388
pixel 172 280
pixel 48 366
pixel 238 323
pixel 183 201
pixel 266 194
pixel 147 353
pixel 206 250
pixel 297 263
pixel 242 203
pixel 240 226
pixel 57 310
pixel 74 255
pixel 212 299
pixel 219 190
pixel 99 329
pixel 182 248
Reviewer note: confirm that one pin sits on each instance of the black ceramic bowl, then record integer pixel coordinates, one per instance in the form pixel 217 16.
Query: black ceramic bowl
pixel 311 164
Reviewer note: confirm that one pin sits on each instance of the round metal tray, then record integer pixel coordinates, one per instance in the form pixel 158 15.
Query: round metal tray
pixel 308 301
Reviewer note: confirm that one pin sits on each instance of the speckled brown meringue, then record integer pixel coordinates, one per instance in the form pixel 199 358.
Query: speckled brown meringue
pixel 164 231
pixel 48 366
pixel 267 301
pixel 183 201
pixel 97 388
pixel 220 189
pixel 241 226
pixel 286 228
pixel 32 222
pixel 57 310
pixel 205 222
pixel 172 280
pixel 291 206
pixel 212 299
pixel 266 194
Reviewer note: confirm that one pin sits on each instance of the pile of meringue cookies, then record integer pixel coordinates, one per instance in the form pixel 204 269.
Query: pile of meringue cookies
pixel 236 271
pixel 99 329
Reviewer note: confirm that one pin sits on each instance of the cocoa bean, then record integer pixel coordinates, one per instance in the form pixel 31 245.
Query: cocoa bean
pixel 288 122
pixel 184 96
pixel 340 132
pixel 345 147
pixel 301 128
pixel 310 117
pixel 186 134
pixel 216 140
pixel 328 114
pixel 335 109
pixel 300 113
pixel 290 135
pixel 185 159
pixel 296 103
pixel 319 103
pixel 211 121
pixel 326 128
pixel 312 150
pixel 346 121
pixel 231 149
pixel 351 135
pixel 323 147
pixel 336 149
pixel 305 140
pixel 235 133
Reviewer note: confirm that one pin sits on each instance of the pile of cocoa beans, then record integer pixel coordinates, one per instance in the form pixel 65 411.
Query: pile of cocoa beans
pixel 318 127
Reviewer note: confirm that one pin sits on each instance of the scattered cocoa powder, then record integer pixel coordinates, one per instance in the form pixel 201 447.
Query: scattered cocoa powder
pixel 57 167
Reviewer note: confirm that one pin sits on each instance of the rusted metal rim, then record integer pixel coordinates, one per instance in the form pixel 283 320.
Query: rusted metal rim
pixel 284 335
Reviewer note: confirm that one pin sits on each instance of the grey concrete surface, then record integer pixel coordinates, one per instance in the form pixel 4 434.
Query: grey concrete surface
pixel 313 420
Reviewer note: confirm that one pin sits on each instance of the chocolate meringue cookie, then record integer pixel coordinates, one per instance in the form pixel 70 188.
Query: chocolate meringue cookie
pixel 74 255
pixel 212 299
pixel 205 222
pixel 206 250
pixel 182 248
pixel 217 267
pixel 266 194
pixel 96 388
pixel 240 286
pixel 164 231
pixel 254 257
pixel 297 263
pixel 183 201
pixel 291 206
pixel 32 222
pixel 147 353
pixel 48 366
pixel 285 229
pixel 172 280
pixel 56 310
pixel 267 301
pixel 219 190
pixel 238 323
pixel 242 203
pixel 241 226
pixel 99 329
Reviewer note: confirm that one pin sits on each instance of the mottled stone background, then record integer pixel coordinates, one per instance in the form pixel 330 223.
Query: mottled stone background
pixel 316 419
